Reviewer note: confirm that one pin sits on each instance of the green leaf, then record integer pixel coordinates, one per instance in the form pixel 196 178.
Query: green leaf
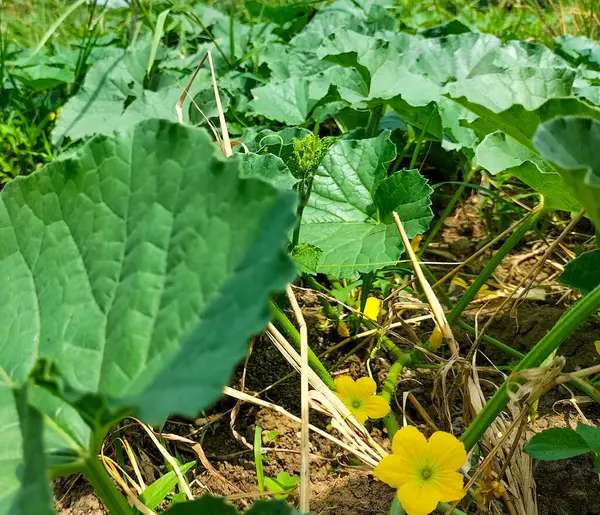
pixel 128 260
pixel 348 214
pixel 158 34
pixel 67 438
pixel 268 168
pixel 208 505
pixel 591 435
pixel 580 50
pixel 571 143
pixel 521 124
pixel 597 464
pixel 43 77
pixel 583 273
pixel 557 443
pixel 282 483
pixel 205 505
pixel 23 476
pixel 101 100
pixel 499 152
pixel 279 143
pixel 157 492
pixel 287 101
pixel 307 258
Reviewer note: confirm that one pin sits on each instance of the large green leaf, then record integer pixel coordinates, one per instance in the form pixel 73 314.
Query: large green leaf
pixel 25 488
pixel 572 144
pixel 127 262
pixel 107 87
pixel 287 101
pixel 580 50
pixel 583 273
pixel 348 214
pixel 499 152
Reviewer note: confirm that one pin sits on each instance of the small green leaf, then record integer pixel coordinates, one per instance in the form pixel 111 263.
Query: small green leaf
pixel 157 492
pixel 282 483
pixel 556 444
pixel 583 273
pixel 591 435
pixel 307 258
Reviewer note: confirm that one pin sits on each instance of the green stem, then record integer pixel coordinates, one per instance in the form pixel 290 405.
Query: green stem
pixel 394 351
pixel 567 324
pixel 497 258
pixel 232 32
pixel 389 421
pixel 449 207
pixel 294 336
pixel 374 118
pixel 328 309
pixel 420 141
pixel 114 501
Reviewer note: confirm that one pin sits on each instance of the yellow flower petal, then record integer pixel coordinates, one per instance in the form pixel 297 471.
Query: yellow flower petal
pixel 376 407
pixel 410 444
pixel 360 414
pixel 418 500
pixel 364 387
pixel 597 345
pixel 436 339
pixel 450 486
pixel 446 451
pixel 372 308
pixel 392 470
pixel 344 386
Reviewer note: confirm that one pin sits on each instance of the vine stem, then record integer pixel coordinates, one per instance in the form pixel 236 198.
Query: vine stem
pixel 567 324
pixel 374 118
pixel 114 500
pixel 294 335
pixel 497 258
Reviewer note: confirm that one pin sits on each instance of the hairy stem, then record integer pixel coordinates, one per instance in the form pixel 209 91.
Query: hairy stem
pixel 374 118
pixel 114 501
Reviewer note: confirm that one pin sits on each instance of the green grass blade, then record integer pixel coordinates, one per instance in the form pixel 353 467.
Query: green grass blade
pixel 54 27
pixel 258 459
pixel 158 34
pixel 158 491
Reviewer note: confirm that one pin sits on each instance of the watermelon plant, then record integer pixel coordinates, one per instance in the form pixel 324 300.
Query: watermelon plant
pixel 166 182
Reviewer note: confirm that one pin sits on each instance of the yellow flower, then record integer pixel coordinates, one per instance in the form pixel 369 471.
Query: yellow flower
pixel 597 345
pixel 359 397
pixel 52 116
pixel 424 472
pixel 372 308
